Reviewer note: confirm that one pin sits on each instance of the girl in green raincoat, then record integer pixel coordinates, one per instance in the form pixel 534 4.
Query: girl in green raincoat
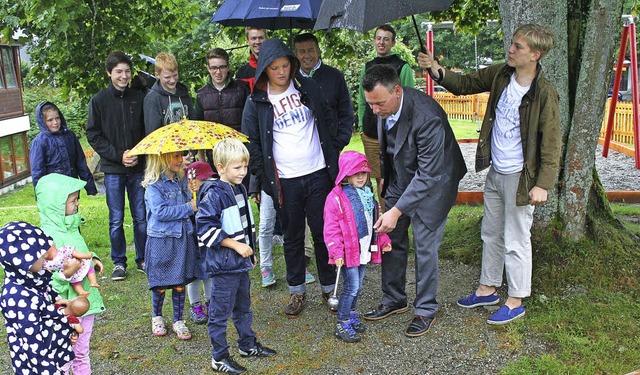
pixel 57 197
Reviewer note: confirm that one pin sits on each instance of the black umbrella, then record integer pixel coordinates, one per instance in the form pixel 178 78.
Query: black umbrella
pixel 268 14
pixel 364 15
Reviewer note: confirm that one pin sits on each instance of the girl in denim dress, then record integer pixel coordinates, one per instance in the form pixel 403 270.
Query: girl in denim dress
pixel 171 250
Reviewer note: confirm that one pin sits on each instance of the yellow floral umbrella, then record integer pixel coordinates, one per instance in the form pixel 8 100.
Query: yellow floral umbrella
pixel 185 135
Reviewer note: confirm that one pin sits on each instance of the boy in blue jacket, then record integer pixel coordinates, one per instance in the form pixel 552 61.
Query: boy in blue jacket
pixel 227 232
pixel 57 149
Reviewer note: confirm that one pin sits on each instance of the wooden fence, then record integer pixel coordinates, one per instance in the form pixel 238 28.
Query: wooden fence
pixel 464 107
pixel 472 107
pixel 622 123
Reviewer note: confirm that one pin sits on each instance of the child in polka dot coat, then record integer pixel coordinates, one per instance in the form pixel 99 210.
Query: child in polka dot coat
pixel 40 338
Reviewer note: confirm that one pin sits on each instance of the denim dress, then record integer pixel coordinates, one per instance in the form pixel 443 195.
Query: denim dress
pixel 171 253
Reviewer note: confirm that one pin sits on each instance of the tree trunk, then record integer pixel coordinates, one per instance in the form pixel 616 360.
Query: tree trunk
pixel 587 33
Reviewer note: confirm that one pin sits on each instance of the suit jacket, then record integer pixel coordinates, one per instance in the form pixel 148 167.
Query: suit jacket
pixel 427 160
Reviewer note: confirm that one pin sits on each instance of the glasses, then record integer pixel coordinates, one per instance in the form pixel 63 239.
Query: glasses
pixel 221 67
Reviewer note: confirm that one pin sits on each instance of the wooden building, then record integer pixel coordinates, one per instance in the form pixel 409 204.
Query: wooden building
pixel 14 123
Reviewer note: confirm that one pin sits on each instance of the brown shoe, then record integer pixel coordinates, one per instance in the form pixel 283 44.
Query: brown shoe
pixel 296 304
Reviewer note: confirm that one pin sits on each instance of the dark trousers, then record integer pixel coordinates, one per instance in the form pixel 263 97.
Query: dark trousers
pixel 304 197
pixel 394 264
pixel 230 297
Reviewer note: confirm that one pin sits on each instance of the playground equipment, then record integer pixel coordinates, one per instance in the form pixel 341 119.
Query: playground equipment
pixel 628 35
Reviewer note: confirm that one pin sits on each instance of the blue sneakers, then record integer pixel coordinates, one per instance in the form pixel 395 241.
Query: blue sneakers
pixel 474 301
pixel 268 278
pixel 308 277
pixel 504 315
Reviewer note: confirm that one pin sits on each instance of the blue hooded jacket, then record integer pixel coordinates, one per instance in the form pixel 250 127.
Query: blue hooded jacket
pixel 58 152
pixel 219 217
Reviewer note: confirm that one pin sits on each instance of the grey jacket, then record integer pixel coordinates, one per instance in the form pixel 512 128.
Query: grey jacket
pixel 163 108
pixel 427 160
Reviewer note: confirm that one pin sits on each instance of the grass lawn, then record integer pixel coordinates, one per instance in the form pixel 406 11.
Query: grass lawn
pixel 465 129
pixel 585 308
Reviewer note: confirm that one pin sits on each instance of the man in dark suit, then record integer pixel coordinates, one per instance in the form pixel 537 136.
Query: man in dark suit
pixel 421 166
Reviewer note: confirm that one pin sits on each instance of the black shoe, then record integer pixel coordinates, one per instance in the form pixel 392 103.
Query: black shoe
pixel 227 365
pixel 419 326
pixel 140 267
pixel 383 311
pixel 119 273
pixel 258 351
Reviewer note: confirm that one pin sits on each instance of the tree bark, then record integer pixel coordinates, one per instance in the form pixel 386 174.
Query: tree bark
pixel 586 34
pixel 593 67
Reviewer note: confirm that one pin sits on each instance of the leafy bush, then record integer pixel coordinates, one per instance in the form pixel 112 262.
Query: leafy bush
pixel 25 68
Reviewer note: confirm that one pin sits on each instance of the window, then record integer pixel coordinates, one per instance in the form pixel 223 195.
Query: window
pixel 14 163
pixel 19 146
pixel 9 67
pixel 6 157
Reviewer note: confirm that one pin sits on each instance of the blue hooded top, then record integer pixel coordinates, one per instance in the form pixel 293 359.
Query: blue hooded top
pixel 58 152
pixel 37 333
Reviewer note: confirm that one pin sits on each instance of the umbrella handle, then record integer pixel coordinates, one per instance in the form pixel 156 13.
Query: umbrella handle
pixel 415 24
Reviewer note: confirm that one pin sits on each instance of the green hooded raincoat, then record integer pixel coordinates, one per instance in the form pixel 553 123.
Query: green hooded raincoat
pixel 51 193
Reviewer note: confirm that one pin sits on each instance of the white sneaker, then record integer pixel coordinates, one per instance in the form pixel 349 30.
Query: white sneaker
pixel 157 326
pixel 181 330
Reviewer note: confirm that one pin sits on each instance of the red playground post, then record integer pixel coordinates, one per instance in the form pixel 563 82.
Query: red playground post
pixel 429 46
pixel 628 34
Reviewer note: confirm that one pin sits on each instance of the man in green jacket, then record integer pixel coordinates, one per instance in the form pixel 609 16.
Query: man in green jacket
pixel 57 197
pixel 383 41
pixel 520 141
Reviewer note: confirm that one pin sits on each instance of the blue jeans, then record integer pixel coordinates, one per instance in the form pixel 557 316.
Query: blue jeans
pixel 230 297
pixel 352 278
pixel 303 198
pixel 115 185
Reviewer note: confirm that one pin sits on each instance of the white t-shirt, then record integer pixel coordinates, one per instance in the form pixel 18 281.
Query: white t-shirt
pixel 296 145
pixel 506 143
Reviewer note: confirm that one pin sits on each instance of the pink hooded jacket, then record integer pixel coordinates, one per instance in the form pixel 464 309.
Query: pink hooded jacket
pixel 340 229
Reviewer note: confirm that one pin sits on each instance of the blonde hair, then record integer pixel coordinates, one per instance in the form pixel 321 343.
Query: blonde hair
pixel 246 31
pixel 165 61
pixel 229 150
pixel 538 38
pixel 156 166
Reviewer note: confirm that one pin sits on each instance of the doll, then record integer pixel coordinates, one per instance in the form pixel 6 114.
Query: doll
pixel 56 262
pixel 72 309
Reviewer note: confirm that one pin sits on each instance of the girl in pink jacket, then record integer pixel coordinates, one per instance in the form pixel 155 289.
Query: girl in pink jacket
pixel 349 214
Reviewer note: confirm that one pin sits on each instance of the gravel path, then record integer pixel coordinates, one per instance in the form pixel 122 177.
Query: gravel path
pixel 459 342
pixel 617 172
